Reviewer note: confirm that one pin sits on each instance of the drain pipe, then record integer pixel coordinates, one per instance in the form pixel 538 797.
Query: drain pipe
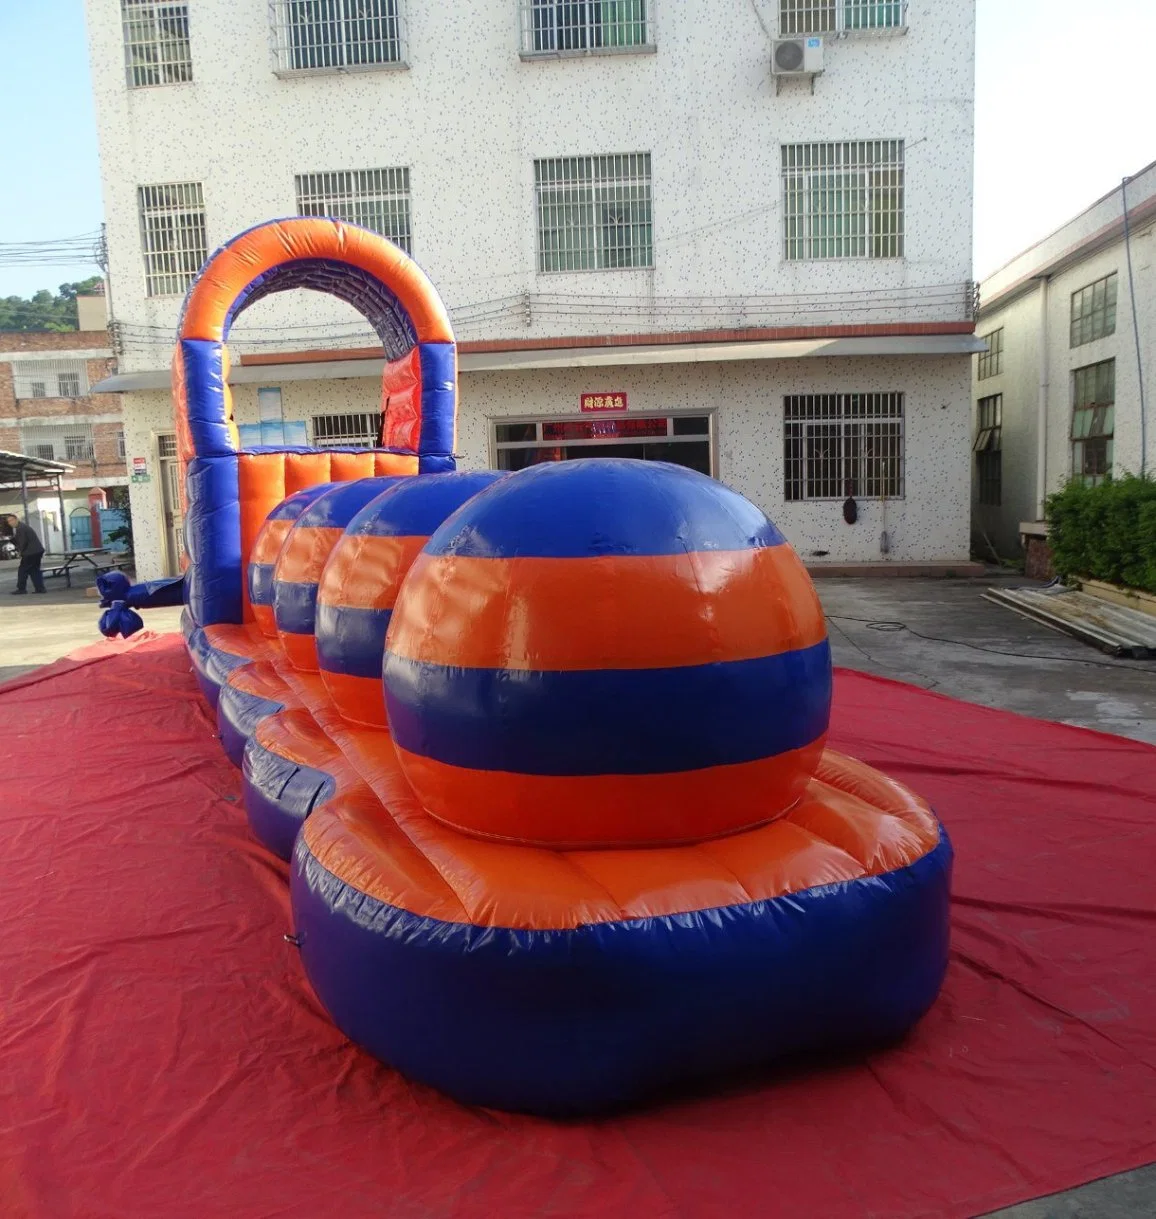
pixel 1042 406
pixel 1135 332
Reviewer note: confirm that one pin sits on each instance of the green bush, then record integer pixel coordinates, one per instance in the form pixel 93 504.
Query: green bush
pixel 1106 532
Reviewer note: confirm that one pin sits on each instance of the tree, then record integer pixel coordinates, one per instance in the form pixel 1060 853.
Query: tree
pixel 43 311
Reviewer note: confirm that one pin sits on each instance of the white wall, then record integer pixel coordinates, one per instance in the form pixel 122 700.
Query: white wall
pixel 469 117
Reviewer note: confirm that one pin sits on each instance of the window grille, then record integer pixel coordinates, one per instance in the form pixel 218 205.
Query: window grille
pixel 1094 311
pixel 990 363
pixel 840 16
pixel 987 446
pixel 594 213
pixel 1093 420
pixel 376 199
pixel 359 430
pixel 837 445
pixel 71 442
pixel 167 445
pixel 172 229
pixel 49 378
pixel 843 200
pixel 156 43
pixel 557 26
pixel 331 35
pixel 121 449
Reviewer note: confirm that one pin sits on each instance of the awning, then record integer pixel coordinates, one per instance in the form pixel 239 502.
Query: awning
pixel 17 469
pixel 582 357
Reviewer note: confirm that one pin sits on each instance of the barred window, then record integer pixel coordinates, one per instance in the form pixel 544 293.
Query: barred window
pixel 328 35
pixel 375 199
pixel 552 26
pixel 70 443
pixel 843 200
pixel 594 213
pixel 1094 311
pixel 156 43
pixel 358 430
pixel 837 445
pixel 990 363
pixel 839 16
pixel 49 378
pixel 172 229
pixel 987 449
pixel 121 450
pixel 1093 420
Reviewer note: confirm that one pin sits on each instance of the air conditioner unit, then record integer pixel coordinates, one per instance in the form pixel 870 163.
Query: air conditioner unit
pixel 797 56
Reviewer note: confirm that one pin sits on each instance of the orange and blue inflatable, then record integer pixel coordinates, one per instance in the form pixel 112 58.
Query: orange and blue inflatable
pixel 547 750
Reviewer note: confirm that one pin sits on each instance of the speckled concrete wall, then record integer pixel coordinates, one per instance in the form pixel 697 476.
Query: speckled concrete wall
pixel 468 118
pixel 929 524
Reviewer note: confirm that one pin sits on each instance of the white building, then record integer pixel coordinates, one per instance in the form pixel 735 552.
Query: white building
pixel 617 199
pixel 1071 329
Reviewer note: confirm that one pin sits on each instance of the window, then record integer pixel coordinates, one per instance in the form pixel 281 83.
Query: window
pixel 328 35
pixel 172 230
pixel 71 442
pixel 840 16
pixel 990 362
pixel 684 440
pixel 49 378
pixel 44 451
pixel 594 213
pixel 843 200
pixel 1093 420
pixel 837 445
pixel 167 445
pixel 1094 311
pixel 359 430
pixel 78 447
pixel 988 442
pixel 376 199
pixel 554 26
pixel 156 43
pixel 121 450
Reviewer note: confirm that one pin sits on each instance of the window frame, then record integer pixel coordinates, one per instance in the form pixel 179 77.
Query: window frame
pixel 360 194
pixel 857 413
pixel 1098 435
pixel 561 189
pixel 816 229
pixel 160 282
pixel 1084 311
pixel 796 17
pixel 289 55
pixel 987 448
pixel 539 39
pixel 990 363
pixel 354 439
pixel 176 69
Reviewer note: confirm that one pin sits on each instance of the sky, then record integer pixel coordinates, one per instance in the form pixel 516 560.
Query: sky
pixel 1062 115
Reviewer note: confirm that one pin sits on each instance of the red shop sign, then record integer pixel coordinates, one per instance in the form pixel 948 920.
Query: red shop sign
pixel 604 402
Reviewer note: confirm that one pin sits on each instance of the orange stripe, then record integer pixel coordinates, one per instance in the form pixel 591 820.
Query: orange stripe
pixel 611 810
pixel 305 552
pixel 300 651
pixel 361 700
pixel 227 275
pixel 269 541
pixel 366 572
pixel 393 464
pixel 612 612
pixel 264 618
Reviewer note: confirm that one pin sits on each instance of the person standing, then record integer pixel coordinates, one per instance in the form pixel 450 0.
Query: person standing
pixel 31 550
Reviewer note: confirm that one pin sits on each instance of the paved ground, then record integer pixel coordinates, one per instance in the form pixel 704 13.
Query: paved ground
pixel 939 634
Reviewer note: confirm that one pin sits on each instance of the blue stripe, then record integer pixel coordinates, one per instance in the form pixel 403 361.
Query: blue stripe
pixel 439 379
pixel 294 606
pixel 600 506
pixel 205 398
pixel 261 583
pixel 238 714
pixel 608 1014
pixel 290 508
pixel 213 582
pixel 351 640
pixel 610 721
pixel 338 506
pixel 417 506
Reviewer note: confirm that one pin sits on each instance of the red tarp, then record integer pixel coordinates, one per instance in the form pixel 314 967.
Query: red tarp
pixel 162 1055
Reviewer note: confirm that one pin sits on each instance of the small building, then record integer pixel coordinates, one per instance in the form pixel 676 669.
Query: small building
pixel 48 411
pixel 685 210
pixel 1064 389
